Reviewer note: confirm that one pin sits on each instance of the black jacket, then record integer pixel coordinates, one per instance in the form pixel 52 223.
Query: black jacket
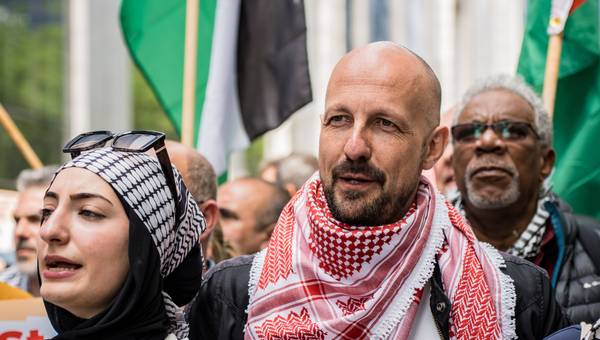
pixel 219 310
pixel 578 284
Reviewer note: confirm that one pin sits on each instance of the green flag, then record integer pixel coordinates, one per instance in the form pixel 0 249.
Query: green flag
pixel 576 118
pixel 252 66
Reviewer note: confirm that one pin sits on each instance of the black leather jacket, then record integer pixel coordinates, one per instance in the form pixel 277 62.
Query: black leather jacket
pixel 219 310
pixel 578 285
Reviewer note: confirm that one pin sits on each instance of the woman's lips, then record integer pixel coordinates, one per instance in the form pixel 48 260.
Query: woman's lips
pixel 58 267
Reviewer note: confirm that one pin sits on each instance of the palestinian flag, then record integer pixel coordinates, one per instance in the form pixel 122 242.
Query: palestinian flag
pixel 252 66
pixel 576 117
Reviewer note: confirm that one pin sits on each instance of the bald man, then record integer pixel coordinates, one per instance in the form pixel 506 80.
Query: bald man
pixel 249 209
pixel 367 248
pixel 200 179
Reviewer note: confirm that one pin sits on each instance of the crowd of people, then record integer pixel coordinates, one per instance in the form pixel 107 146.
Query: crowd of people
pixel 133 239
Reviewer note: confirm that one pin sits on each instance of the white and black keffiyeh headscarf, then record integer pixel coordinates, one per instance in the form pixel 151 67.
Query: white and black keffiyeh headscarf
pixel 528 244
pixel 165 261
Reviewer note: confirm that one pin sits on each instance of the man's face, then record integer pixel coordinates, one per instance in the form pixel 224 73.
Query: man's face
pixel 27 215
pixel 444 173
pixel 239 203
pixel 371 146
pixel 492 171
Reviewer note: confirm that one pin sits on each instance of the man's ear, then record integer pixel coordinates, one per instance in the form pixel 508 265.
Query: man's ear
pixel 266 236
pixel 210 210
pixel 291 189
pixel 547 163
pixel 434 149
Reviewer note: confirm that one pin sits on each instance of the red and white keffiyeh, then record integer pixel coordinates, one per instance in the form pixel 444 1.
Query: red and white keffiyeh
pixel 322 279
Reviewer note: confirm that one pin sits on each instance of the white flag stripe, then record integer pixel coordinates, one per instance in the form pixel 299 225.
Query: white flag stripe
pixel 559 15
pixel 221 126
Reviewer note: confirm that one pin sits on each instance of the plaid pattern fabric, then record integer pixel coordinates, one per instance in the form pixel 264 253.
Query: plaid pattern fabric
pixel 14 277
pixel 322 279
pixel 139 180
pixel 530 240
pixel 528 244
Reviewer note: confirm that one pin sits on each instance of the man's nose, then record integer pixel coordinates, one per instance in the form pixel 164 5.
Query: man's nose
pixel 22 229
pixel 490 142
pixel 358 146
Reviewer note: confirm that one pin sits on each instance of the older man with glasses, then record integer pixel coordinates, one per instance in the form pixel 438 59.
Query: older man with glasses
pixel 502 138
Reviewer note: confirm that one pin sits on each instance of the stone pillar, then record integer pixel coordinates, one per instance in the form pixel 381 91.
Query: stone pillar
pixel 98 82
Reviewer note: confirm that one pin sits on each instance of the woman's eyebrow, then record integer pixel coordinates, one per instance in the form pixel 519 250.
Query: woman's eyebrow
pixel 51 194
pixel 87 195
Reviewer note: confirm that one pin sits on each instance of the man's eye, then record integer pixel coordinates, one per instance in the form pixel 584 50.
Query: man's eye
pixel 339 120
pixel 515 132
pixel 385 124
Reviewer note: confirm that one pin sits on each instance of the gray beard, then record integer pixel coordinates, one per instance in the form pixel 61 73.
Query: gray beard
pixel 510 195
pixel 28 268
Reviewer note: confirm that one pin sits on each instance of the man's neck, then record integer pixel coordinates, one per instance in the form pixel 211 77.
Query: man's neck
pixel 500 227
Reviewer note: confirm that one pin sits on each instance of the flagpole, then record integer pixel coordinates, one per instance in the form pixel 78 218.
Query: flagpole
pixel 551 73
pixel 19 140
pixel 189 73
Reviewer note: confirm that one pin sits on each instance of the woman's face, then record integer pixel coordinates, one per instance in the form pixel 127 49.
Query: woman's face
pixel 83 243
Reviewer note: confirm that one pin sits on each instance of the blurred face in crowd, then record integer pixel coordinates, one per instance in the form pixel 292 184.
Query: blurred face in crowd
pixel 269 173
pixel 28 216
pixel 444 173
pixel 240 202
pixel 83 244
pixel 378 133
pixel 188 161
pixel 499 170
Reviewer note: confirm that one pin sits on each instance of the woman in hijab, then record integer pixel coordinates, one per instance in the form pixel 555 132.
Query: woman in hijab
pixel 118 241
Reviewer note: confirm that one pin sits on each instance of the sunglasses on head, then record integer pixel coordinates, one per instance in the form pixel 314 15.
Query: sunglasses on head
pixel 130 141
pixel 506 130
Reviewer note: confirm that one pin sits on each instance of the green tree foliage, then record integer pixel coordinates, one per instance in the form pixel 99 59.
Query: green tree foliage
pixel 31 83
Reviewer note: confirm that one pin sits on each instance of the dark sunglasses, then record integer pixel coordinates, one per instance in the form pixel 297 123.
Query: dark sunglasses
pixel 130 141
pixel 506 130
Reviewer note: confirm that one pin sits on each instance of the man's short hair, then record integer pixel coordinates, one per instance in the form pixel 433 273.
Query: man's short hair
pixel 202 179
pixel 516 85
pixel 269 214
pixel 35 177
pixel 296 169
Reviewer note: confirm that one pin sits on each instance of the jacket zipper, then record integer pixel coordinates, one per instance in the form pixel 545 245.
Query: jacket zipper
pixel 435 321
pixel 437 327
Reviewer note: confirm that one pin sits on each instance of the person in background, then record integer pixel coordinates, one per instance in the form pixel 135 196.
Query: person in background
pixel 443 171
pixel 201 181
pixel 249 209
pixel 268 171
pixel 503 154
pixel 31 185
pixel 293 170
